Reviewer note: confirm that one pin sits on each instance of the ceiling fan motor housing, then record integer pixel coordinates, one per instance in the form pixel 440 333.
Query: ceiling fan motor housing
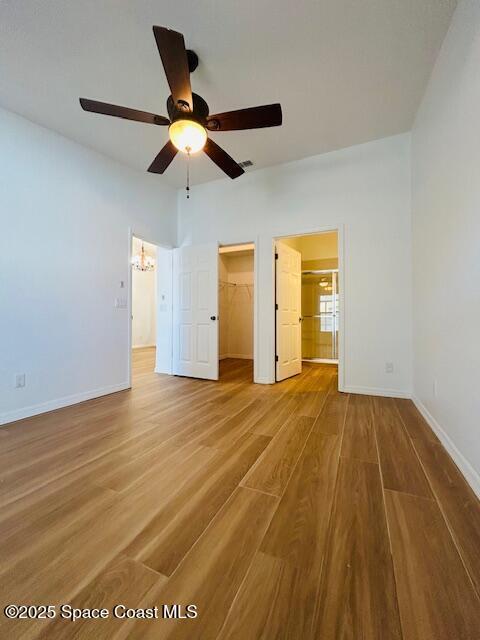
pixel 199 113
pixel 192 60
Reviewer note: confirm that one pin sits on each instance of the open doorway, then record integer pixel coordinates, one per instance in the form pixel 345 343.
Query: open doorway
pixel 307 302
pixel 144 306
pixel 236 310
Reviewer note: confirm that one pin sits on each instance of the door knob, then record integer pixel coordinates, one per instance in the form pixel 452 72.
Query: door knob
pixel 213 317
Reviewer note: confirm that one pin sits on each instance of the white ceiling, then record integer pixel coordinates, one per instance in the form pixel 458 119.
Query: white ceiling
pixel 345 71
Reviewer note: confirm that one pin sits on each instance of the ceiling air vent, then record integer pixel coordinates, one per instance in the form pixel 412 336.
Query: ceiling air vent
pixel 245 164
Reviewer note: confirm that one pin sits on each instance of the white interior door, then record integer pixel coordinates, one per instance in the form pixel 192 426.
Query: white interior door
pixel 195 311
pixel 289 304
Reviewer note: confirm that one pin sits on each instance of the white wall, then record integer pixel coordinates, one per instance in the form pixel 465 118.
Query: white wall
pixel 144 299
pixel 446 243
pixel 64 250
pixel 365 190
pixel 144 302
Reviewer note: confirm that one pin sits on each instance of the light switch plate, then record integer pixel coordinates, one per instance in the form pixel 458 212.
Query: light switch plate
pixel 19 380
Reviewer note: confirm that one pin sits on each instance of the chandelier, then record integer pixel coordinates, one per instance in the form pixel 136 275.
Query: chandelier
pixel 142 262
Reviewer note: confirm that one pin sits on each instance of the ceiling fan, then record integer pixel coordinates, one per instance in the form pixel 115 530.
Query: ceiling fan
pixel 189 119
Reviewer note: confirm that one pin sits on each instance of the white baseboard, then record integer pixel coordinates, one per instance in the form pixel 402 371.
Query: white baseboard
pixel 144 346
pixel 377 391
pixel 165 371
pixel 468 472
pixel 239 356
pixel 66 401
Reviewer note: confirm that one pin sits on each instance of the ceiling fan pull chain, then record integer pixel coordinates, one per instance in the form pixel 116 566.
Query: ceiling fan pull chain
pixel 188 173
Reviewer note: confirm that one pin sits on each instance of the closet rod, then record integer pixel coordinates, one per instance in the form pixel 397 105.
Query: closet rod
pixel 234 284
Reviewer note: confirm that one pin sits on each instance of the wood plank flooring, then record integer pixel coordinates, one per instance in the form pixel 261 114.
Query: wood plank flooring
pixel 285 511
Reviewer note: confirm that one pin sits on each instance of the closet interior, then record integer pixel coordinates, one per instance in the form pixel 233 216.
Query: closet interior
pixel 236 282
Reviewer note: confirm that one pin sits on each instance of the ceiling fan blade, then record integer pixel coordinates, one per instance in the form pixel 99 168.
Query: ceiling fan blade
pixel 222 159
pixel 164 158
pixel 122 112
pixel 171 47
pixel 268 115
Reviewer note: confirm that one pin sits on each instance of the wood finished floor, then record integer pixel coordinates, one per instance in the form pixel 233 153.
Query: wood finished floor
pixel 286 511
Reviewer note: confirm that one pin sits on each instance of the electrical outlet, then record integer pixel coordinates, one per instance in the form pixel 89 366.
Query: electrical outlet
pixel 120 303
pixel 389 367
pixel 19 380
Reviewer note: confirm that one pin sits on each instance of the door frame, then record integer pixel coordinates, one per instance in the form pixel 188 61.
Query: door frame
pixel 339 228
pixel 232 243
pixel 131 234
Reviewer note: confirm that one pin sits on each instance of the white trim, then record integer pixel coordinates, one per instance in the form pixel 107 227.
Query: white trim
pixel 466 469
pixel 342 306
pixel 144 346
pixel 60 403
pixel 129 306
pixel 237 356
pixel 256 307
pixel 340 229
pixel 264 381
pixel 377 391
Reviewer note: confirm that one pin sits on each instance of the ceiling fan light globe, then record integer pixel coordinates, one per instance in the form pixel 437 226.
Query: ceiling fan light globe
pixel 187 136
